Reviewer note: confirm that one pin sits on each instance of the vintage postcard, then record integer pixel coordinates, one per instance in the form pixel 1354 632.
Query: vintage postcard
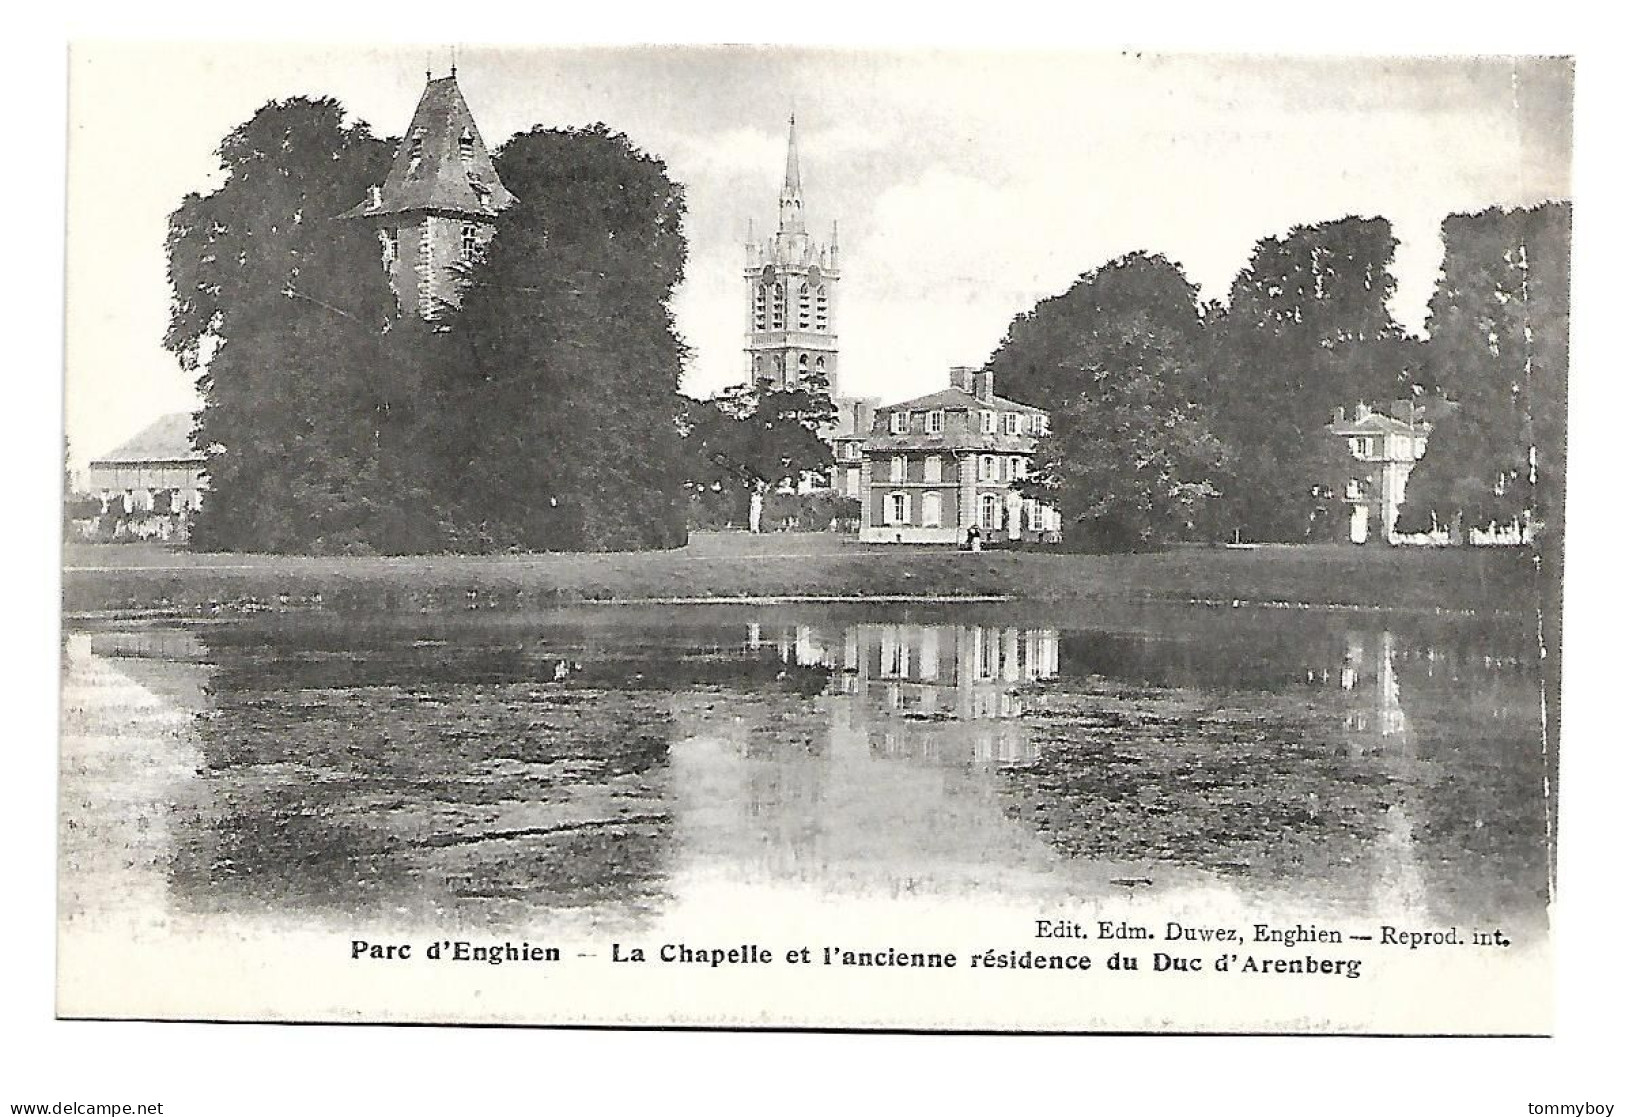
pixel 813 539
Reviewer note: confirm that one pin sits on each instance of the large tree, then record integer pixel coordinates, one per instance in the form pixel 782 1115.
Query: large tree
pixel 283 311
pixel 751 439
pixel 1498 345
pixel 557 382
pixel 1306 329
pixel 1108 316
pixel 1117 361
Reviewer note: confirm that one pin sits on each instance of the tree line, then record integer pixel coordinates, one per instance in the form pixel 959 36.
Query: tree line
pixel 544 413
pixel 1176 418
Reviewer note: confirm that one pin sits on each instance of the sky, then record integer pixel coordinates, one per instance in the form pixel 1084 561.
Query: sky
pixel 967 185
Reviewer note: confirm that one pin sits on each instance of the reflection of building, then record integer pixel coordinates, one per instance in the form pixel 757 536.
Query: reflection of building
pixel 438 207
pixel 790 285
pixel 1383 449
pixel 936 466
pixel 151 485
pixel 880 784
pixel 948 692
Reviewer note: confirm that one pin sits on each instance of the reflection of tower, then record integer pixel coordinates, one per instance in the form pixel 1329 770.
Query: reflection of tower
pixel 790 287
pixel 1386 732
pixel 1387 723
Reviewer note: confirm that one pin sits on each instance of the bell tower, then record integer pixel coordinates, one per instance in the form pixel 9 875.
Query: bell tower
pixel 790 283
pixel 438 206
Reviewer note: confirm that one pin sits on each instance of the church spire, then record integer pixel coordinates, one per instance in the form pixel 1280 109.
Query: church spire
pixel 790 197
pixel 792 163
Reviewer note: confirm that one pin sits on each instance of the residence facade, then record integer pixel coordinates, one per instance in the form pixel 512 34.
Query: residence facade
pixel 150 485
pixel 1383 448
pixel 940 465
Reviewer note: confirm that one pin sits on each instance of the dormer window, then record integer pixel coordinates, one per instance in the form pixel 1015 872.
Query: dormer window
pixel 933 422
pixel 899 422
pixel 416 151
pixel 1012 422
pixel 990 421
pixel 465 148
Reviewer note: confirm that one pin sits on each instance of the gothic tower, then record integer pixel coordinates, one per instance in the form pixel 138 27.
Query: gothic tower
pixel 790 288
pixel 439 205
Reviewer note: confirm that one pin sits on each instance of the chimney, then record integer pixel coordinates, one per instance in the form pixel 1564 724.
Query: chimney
pixel 983 382
pixel 960 377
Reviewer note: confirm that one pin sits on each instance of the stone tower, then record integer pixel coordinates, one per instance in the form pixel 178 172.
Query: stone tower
pixel 439 205
pixel 790 291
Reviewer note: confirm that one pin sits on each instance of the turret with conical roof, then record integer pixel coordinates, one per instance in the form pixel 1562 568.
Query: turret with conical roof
pixel 791 292
pixel 439 204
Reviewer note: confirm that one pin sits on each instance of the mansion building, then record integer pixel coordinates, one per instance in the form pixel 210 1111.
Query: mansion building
pixel 937 466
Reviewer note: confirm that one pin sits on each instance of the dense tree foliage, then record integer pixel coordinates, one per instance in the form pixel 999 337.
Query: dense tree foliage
pixel 749 440
pixel 1306 330
pixel 1177 419
pixel 558 384
pixel 542 415
pixel 1117 361
pixel 281 307
pixel 1498 345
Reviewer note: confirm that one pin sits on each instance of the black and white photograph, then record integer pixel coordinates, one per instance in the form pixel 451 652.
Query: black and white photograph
pixel 873 539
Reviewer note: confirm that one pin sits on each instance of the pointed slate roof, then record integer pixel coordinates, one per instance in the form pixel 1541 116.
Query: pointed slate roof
pixel 442 163
pixel 169 439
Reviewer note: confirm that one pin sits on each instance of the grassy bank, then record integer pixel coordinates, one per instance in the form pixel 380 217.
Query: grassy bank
pixel 102 578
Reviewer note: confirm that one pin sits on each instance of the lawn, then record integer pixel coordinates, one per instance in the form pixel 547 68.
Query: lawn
pixel 100 578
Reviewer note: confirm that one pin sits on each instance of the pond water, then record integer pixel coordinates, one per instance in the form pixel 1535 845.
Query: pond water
pixel 602 767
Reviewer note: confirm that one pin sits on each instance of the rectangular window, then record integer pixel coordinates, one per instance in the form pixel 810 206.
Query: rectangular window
pixel 470 242
pixel 899 469
pixel 899 422
pixel 933 469
pixel 1040 424
pixel 933 422
pixel 990 468
pixel 1021 468
pixel 990 512
pixel 931 510
pixel 897 508
pixel 989 422
pixel 1012 422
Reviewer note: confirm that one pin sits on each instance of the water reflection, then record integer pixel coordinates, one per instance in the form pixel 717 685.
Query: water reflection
pixel 934 691
pixel 607 764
